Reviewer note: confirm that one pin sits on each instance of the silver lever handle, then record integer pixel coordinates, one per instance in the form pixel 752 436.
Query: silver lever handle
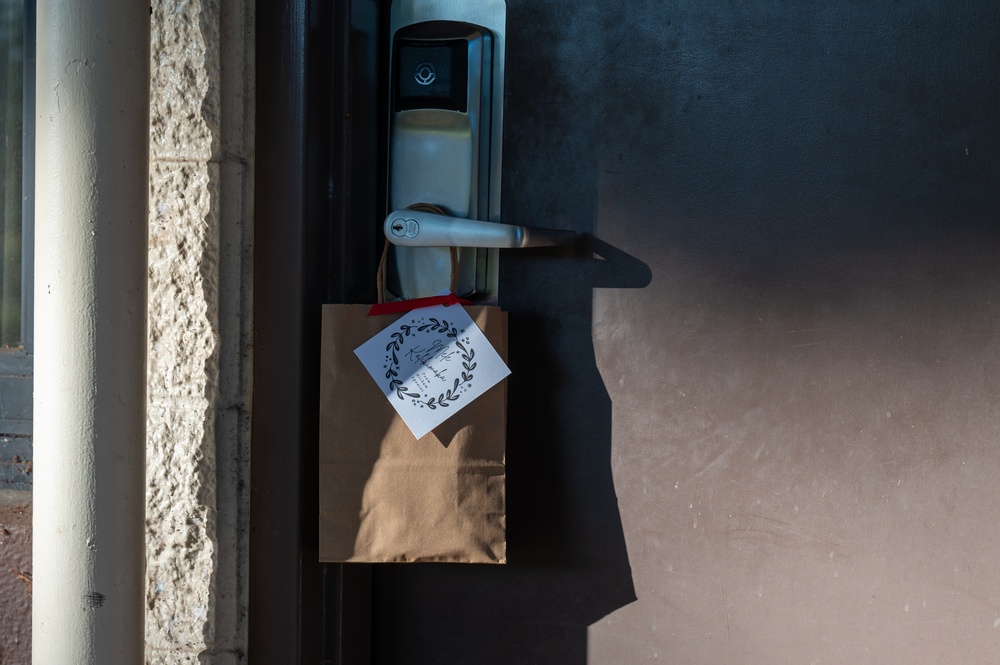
pixel 414 228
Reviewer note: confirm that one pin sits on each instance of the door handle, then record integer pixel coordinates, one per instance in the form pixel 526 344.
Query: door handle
pixel 416 228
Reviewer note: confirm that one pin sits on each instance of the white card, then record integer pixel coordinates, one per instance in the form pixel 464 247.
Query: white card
pixel 430 363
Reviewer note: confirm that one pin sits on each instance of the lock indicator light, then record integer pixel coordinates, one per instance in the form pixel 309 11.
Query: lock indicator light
pixel 425 74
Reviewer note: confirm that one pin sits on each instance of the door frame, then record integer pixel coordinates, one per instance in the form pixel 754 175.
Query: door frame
pixel 316 164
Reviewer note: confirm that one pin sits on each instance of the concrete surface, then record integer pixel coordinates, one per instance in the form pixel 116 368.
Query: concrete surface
pixel 15 577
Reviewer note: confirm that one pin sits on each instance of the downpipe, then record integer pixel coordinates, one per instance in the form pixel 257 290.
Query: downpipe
pixel 91 201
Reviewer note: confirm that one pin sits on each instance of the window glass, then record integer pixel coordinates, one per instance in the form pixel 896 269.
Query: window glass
pixel 11 124
pixel 16 242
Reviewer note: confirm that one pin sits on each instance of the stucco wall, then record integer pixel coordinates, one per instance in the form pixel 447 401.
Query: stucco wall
pixel 199 277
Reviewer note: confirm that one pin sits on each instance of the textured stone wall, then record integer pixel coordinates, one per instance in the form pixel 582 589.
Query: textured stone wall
pixel 199 284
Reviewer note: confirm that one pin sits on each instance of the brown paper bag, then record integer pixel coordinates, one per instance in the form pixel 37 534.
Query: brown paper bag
pixel 385 496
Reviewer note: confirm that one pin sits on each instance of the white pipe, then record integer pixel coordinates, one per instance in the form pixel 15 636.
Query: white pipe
pixel 92 145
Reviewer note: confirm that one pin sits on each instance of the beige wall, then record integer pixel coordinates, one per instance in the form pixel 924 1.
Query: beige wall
pixel 199 283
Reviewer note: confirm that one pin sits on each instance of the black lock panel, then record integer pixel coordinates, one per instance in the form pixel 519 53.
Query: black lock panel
pixel 432 75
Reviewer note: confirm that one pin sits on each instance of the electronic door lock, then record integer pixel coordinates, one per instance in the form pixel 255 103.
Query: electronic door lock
pixel 414 228
pixel 445 135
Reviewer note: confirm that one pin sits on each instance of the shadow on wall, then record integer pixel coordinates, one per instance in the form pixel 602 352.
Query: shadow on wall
pixel 750 137
pixel 568 565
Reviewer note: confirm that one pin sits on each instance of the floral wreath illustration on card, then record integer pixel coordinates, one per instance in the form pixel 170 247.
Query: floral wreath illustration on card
pixel 416 396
